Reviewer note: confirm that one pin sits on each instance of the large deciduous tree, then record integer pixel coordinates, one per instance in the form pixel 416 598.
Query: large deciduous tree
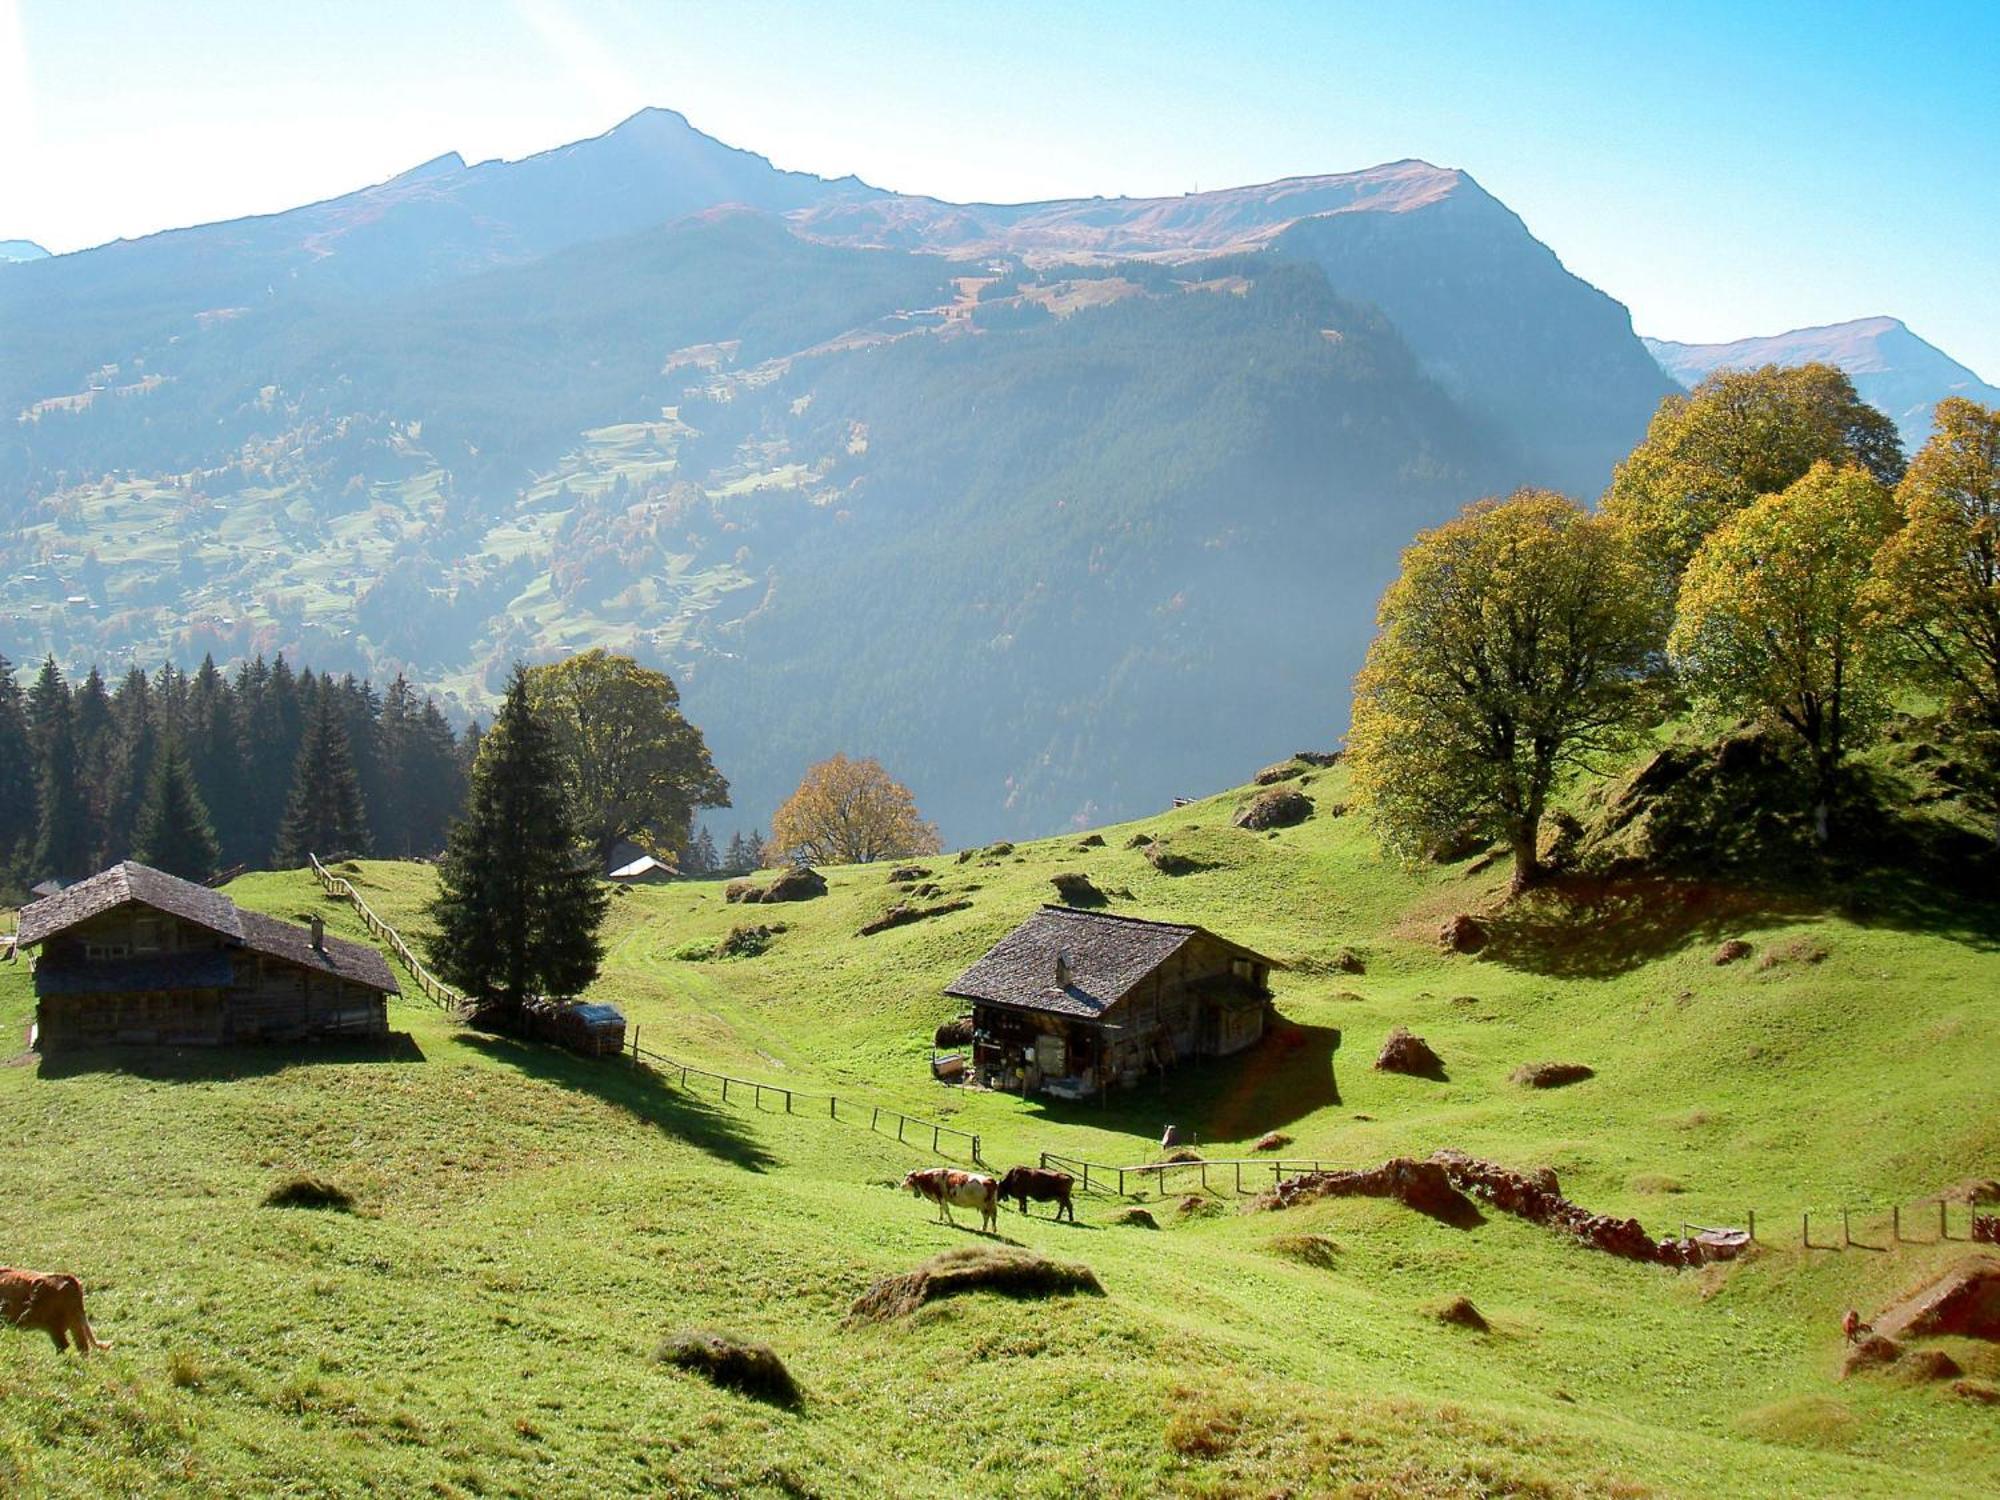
pixel 1936 589
pixel 1513 647
pixel 850 812
pixel 516 912
pixel 1739 435
pixel 1772 621
pixel 633 767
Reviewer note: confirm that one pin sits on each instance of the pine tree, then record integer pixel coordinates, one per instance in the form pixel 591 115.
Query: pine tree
pixel 174 833
pixel 736 855
pixel 516 912
pixel 324 814
pixel 17 770
pixel 215 754
pixel 702 858
pixel 753 851
pixel 95 728
pixel 63 843
pixel 135 749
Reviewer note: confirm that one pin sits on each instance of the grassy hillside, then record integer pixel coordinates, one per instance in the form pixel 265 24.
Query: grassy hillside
pixel 528 1225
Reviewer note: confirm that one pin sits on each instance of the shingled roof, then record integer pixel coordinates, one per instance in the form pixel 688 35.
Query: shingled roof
pixel 1103 955
pixel 125 882
pixel 130 881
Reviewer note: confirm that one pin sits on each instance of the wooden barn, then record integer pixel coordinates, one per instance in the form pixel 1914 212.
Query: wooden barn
pixel 134 955
pixel 1073 1002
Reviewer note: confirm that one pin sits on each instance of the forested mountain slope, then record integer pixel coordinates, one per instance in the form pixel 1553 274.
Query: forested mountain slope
pixel 1039 517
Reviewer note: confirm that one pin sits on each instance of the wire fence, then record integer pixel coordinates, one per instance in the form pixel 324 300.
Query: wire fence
pixel 433 988
pixel 911 1130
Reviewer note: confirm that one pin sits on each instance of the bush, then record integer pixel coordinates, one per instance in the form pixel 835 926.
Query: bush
pixel 734 1364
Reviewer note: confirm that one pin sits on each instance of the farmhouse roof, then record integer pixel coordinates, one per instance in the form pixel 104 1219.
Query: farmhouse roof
pixel 356 962
pixel 134 882
pixel 125 882
pixel 1101 957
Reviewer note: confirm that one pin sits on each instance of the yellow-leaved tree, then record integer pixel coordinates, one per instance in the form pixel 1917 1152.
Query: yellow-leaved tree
pixel 1739 435
pixel 849 812
pixel 1936 589
pixel 1771 620
pixel 1514 647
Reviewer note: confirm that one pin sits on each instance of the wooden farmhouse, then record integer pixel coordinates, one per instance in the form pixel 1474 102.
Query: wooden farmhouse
pixel 1072 1002
pixel 133 955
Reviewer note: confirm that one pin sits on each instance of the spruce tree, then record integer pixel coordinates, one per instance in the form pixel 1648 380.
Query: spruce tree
pixel 17 770
pixel 136 749
pixel 517 911
pixel 324 814
pixel 63 838
pixel 174 833
pixel 735 855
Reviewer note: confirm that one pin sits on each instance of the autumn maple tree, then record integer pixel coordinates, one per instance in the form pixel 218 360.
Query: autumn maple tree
pixel 850 812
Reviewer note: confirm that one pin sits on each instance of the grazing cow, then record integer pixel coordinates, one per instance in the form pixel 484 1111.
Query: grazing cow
pixel 1852 1326
pixel 947 1186
pixel 51 1301
pixel 1042 1185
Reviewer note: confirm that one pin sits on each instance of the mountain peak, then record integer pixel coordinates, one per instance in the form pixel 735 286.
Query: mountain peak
pixel 15 250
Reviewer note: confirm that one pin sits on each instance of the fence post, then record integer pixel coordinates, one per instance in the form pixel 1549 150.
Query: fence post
pixel 1941 1230
pixel 1896 1222
pixel 1753 1226
pixel 901 1121
pixel 832 1107
pixel 1086 1172
pixel 975 1151
pixel 934 1141
pixel 725 1088
pixel 1045 1165
pixel 1239 1179
pixel 1121 1182
pixel 1846 1231
pixel 875 1118
pixel 1805 1229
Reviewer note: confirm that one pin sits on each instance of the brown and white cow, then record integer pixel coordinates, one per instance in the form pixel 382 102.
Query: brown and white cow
pixel 51 1301
pixel 948 1187
pixel 1042 1185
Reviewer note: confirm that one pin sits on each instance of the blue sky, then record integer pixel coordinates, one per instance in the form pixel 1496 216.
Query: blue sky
pixel 1724 169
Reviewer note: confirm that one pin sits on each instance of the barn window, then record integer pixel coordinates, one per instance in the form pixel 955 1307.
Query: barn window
pixel 97 949
pixel 146 935
pixel 1240 967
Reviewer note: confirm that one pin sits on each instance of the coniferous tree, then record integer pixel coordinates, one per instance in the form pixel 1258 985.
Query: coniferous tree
pixel 702 858
pixel 754 851
pixel 173 831
pixel 215 754
pixel 516 913
pixel 17 770
pixel 324 814
pixel 63 843
pixel 135 748
pixel 95 728
pixel 736 855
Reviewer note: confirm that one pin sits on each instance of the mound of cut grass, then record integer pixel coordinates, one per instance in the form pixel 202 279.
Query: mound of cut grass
pixel 733 1363
pixel 976 1268
pixel 305 1191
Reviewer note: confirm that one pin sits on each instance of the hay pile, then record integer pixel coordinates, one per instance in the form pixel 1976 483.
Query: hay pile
pixel 1403 1052
pixel 310 1192
pixel 1464 933
pixel 903 913
pixel 1132 1216
pixel 1460 1313
pixel 1074 888
pixel 1551 1075
pixel 732 1363
pixel 975 1268
pixel 800 883
pixel 1277 807
pixel 1316 1250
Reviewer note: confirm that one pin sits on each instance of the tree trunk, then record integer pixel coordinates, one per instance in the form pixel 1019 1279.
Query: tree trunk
pixel 1524 841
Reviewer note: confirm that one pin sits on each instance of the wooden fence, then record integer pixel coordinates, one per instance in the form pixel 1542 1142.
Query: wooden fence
pixel 433 988
pixel 909 1129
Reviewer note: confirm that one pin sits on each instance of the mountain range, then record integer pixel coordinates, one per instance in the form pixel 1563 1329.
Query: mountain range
pixel 12 250
pixel 1059 509
pixel 1894 370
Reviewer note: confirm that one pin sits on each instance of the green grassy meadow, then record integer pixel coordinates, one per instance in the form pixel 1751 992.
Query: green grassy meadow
pixel 529 1225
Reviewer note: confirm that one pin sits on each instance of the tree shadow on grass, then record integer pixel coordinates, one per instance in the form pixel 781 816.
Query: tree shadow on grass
pixel 1598 926
pixel 232 1060
pixel 640 1092
pixel 1285 1077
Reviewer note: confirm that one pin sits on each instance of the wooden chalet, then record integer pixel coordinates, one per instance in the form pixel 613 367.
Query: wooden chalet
pixel 1072 1002
pixel 134 955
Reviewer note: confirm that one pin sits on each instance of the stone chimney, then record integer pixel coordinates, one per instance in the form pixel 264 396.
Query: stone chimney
pixel 1062 971
pixel 319 933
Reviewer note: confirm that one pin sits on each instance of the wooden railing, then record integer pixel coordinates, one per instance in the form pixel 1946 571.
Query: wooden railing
pixel 433 988
pixel 909 1129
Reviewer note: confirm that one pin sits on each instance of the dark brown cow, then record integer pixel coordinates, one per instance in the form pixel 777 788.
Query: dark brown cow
pixel 51 1301
pixel 1042 1185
